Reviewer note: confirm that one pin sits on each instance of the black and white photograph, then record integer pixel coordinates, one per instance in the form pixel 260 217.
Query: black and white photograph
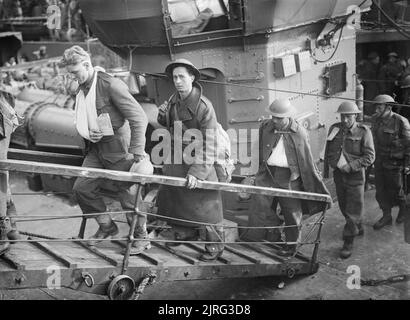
pixel 204 156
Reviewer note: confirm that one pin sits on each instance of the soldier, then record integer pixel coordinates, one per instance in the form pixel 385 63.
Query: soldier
pixel 390 74
pixel 368 70
pixel 349 151
pixel 8 122
pixel 391 134
pixel 109 145
pixel 190 110
pixel 285 162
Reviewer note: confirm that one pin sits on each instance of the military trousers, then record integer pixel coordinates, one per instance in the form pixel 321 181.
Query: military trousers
pixel 389 186
pixel 264 211
pixel 88 190
pixel 350 196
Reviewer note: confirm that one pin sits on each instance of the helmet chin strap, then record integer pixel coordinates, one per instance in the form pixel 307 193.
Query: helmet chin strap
pixel 384 111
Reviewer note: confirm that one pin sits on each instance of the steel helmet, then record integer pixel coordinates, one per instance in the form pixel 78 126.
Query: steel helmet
pixel 348 107
pixel 372 55
pixel 406 82
pixel 182 63
pixel 383 99
pixel 281 108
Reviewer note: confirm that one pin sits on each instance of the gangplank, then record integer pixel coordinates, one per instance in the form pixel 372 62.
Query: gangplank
pixel 105 269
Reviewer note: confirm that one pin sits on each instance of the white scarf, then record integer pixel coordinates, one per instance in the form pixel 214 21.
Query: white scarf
pixel 85 109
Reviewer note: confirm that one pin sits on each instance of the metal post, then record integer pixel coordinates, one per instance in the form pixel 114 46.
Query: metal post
pixel 317 241
pixel 132 229
pixel 168 31
pixel 82 228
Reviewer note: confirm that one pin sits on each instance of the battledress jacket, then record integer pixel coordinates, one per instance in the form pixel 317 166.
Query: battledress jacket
pixel 310 176
pixel 195 112
pixel 113 97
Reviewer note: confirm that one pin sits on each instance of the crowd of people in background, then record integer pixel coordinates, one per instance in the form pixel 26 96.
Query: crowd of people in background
pixel 73 26
pixel 391 77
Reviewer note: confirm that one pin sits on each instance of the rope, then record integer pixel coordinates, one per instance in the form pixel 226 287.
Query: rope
pixel 283 90
pixel 393 279
pixel 59 240
pixel 38 193
pixel 401 30
pixel 47 217
pixel 149 279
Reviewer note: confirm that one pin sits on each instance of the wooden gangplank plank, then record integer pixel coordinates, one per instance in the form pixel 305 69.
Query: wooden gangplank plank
pixel 181 255
pixel 85 172
pixel 201 250
pixel 276 247
pixel 69 263
pixel 242 255
pixel 13 261
pixel 97 252
pixel 260 250
pixel 143 255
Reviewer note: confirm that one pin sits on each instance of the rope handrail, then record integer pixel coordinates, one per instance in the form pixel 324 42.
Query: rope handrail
pixel 50 239
pixel 66 170
pixel 112 213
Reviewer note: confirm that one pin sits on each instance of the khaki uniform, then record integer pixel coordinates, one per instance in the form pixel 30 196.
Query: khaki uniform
pixel 392 140
pixel 301 174
pixel 356 146
pixel 113 152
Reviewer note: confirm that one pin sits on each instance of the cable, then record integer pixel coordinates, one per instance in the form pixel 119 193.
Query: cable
pixel 282 90
pixel 334 51
pixel 393 23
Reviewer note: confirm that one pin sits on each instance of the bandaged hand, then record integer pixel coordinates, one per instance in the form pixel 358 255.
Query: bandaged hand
pixel 192 182
pixel 346 168
pixel 95 135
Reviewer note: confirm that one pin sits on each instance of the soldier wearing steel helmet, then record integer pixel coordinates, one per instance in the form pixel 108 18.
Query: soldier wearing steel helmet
pixel 349 151
pixel 390 74
pixel 188 109
pixel 285 162
pixel 391 134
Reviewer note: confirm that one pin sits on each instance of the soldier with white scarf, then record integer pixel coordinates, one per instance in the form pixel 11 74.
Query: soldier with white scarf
pixel 102 96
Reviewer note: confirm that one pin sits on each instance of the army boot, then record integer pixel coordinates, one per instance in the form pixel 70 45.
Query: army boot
pixel 213 250
pixel 138 246
pixel 13 234
pixel 4 229
pixel 347 249
pixel 105 231
pixel 384 221
pixel 140 232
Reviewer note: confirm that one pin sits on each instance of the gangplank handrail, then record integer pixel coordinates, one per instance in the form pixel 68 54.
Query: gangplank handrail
pixel 85 172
